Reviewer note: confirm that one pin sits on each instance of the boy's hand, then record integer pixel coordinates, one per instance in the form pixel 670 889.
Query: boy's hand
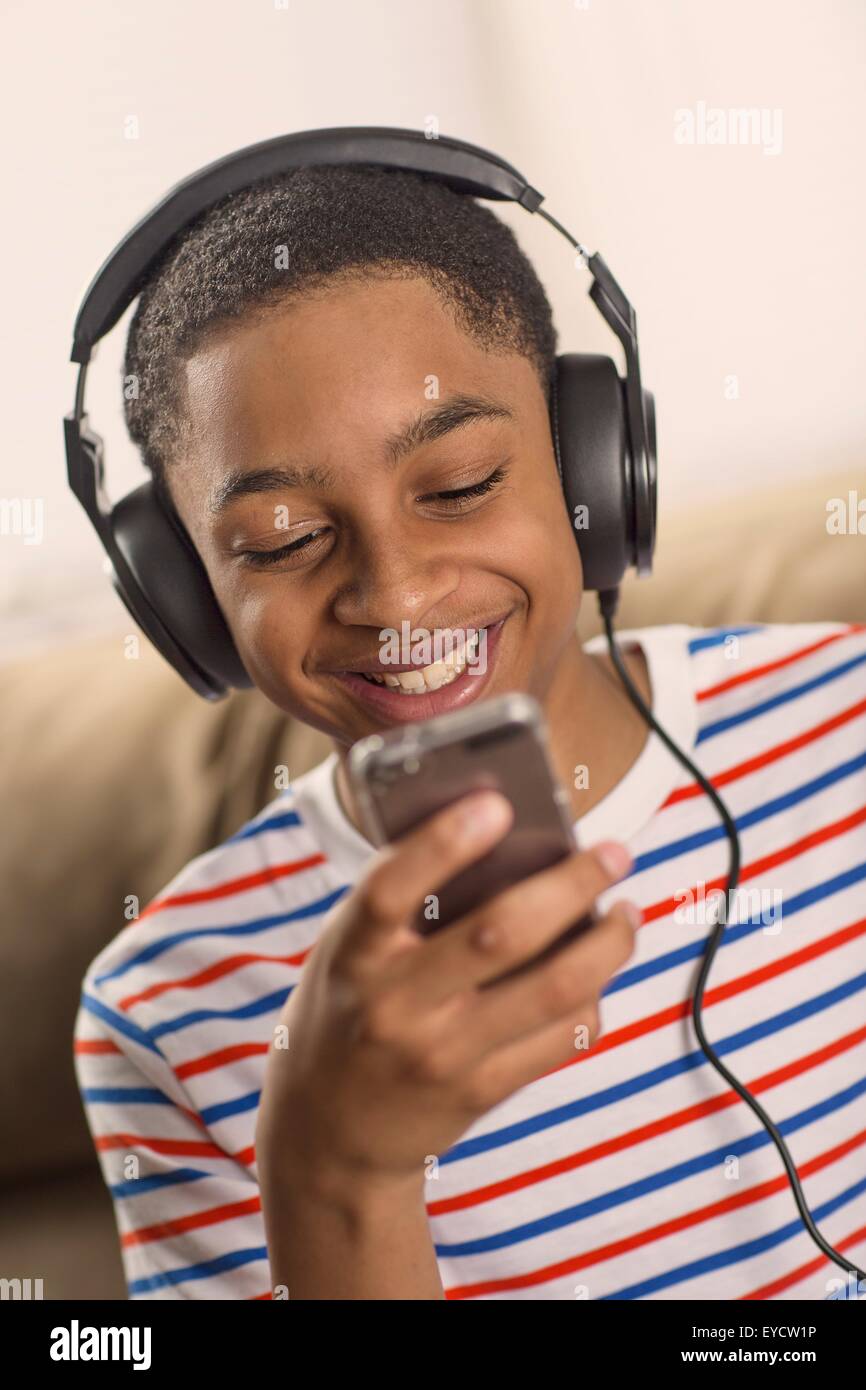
pixel 398 1042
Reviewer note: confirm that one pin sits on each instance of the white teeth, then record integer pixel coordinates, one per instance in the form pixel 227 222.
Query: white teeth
pixel 432 677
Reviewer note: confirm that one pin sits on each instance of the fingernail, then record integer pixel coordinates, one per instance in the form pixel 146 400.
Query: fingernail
pixel 614 858
pixel 482 813
pixel 633 913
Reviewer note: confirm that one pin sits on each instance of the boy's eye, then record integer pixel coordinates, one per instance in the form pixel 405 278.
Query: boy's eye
pixel 454 497
pixel 458 495
pixel 261 558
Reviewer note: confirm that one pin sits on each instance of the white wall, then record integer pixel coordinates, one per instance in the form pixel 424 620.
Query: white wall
pixel 741 263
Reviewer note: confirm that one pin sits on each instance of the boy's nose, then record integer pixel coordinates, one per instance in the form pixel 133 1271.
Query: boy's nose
pixel 392 582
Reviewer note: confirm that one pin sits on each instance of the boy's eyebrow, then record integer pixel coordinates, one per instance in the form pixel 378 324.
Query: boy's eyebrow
pixel 426 426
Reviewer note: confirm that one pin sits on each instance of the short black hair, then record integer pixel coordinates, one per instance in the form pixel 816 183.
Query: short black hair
pixel 288 235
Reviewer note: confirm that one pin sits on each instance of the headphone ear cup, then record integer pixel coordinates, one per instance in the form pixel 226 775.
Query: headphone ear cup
pixel 159 576
pixel 591 440
pixel 647 533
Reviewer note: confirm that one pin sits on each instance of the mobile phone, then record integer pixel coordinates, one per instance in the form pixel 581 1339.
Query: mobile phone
pixel 408 773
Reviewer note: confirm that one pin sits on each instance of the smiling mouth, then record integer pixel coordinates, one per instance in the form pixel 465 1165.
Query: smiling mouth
pixel 420 692
pixel 438 674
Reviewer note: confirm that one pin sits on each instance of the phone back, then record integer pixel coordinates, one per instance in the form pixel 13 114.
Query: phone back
pixel 404 776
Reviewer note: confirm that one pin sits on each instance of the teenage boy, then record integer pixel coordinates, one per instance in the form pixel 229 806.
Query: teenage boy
pixel 345 378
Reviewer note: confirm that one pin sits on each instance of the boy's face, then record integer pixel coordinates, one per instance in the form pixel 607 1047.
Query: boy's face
pixel 325 387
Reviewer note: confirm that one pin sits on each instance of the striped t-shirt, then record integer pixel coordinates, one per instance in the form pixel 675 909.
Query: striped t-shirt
pixel 630 1171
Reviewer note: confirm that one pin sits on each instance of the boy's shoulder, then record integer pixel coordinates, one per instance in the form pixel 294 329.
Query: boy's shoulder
pixel 778 661
pixel 779 639
pixel 760 690
pixel 765 659
pixel 258 891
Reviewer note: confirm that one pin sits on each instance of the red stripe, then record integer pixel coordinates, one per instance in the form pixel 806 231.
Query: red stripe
pixel 213 972
pixel 759 866
pixel 215 1216
pixel 189 1148
pixel 674 1012
pixel 757 671
pixel 781 750
pixel 758 1193
pixel 221 1058
pixel 92 1046
pixel 234 885
pixel 803 1271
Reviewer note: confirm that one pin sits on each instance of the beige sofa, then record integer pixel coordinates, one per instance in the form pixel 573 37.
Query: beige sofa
pixel 115 775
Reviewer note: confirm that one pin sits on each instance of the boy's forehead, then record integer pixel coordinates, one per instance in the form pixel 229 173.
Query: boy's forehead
pixel 346 369
pixel 345 328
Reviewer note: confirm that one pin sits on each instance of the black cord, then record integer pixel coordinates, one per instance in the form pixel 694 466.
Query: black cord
pixel 542 212
pixel 607 603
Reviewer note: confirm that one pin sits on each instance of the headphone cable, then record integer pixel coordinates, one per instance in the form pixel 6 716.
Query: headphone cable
pixel 608 600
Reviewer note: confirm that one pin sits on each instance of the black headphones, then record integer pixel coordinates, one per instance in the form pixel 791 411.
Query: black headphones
pixel 603 425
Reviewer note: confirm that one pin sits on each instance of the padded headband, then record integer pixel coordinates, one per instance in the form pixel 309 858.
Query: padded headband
pixel 463 167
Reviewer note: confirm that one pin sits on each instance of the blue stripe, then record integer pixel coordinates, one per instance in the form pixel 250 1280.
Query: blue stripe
pixel 654 1182
pixel 720 635
pixel 136 1187
pixel 724 1258
pixel 634 975
pixel 206 1270
pixel 125 1095
pixel 258 924
pixel 269 1003
pixel 283 821
pixel 118 1022
pixel 784 698
pixel 806 1008
pixel 212 1113
pixel 794 797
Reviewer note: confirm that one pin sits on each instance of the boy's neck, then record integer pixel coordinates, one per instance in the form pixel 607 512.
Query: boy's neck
pixel 594 732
